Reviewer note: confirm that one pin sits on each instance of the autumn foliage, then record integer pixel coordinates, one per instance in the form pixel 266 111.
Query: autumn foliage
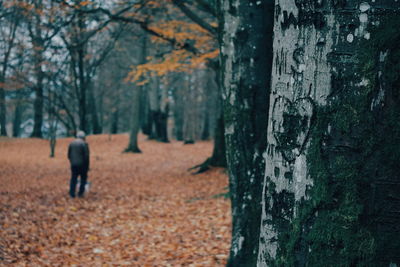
pixel 142 209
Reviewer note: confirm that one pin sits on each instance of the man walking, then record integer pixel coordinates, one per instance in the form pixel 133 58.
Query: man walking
pixel 78 155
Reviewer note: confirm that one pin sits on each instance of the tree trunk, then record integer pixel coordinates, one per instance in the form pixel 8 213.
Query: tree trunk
pixel 145 113
pixel 218 157
pixel 333 137
pixel 205 133
pixel 38 60
pixel 17 119
pixel 190 112
pixel 246 54
pixel 96 127
pixel 136 99
pixel 178 112
pixel 53 142
pixel 83 83
pixel 114 121
pixel 3 118
pixel 82 90
pixel 135 122
pixel 38 111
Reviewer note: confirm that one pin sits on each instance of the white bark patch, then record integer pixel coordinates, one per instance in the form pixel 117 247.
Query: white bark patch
pixel 350 38
pixel 300 72
pixel 364 7
pixel 229 130
pixel 237 245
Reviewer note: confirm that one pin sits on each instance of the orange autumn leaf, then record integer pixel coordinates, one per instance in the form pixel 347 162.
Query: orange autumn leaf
pixel 142 209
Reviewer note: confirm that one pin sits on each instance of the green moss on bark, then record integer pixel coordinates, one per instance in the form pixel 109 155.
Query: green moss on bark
pixel 351 214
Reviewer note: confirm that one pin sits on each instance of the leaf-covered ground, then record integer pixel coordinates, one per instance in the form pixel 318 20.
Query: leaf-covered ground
pixel 142 209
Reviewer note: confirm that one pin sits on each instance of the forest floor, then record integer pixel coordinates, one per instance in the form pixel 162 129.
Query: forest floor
pixel 142 209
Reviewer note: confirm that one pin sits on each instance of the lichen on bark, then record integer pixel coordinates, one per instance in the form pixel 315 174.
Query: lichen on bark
pixel 349 216
pixel 339 207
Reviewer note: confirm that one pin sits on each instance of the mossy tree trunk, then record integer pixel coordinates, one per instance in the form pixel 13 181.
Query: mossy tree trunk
pixel 246 53
pixel 331 181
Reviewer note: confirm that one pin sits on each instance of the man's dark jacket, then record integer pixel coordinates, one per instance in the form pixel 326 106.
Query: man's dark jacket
pixel 78 154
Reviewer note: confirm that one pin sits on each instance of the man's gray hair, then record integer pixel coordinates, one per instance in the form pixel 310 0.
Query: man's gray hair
pixel 81 135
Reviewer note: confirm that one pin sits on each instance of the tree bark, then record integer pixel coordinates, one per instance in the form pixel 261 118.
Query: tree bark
pixel 38 45
pixel 114 121
pixel 38 106
pixel 136 99
pixel 17 119
pixel 246 54
pixel 3 117
pixel 178 112
pixel 135 122
pixel 3 73
pixel 328 175
pixel 96 127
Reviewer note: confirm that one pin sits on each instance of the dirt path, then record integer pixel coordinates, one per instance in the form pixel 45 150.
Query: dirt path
pixel 142 210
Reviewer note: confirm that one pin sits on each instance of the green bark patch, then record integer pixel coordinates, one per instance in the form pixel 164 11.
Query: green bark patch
pixel 352 213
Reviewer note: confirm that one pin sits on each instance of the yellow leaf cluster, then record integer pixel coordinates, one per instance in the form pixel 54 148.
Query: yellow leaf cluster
pixel 177 61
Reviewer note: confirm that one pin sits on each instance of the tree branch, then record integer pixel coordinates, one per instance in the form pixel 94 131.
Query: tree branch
pixel 195 18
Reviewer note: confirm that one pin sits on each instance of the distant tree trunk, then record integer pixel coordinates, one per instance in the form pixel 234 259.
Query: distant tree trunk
pixel 145 112
pixel 154 105
pixel 135 122
pixel 82 90
pixel 190 112
pixel 38 45
pixel 161 122
pixel 3 73
pixel 3 118
pixel 96 127
pixel 162 116
pixel 178 111
pixel 38 108
pixel 136 99
pixel 205 135
pixel 17 119
pixel 53 142
pixel 218 156
pixel 53 137
pixel 333 138
pixel 246 54
pixel 114 121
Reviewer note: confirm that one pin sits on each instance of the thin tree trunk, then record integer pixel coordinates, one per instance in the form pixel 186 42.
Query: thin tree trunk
pixel 96 127
pixel 114 121
pixel 135 122
pixel 205 135
pixel 17 119
pixel 38 110
pixel 3 118
pixel 38 60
